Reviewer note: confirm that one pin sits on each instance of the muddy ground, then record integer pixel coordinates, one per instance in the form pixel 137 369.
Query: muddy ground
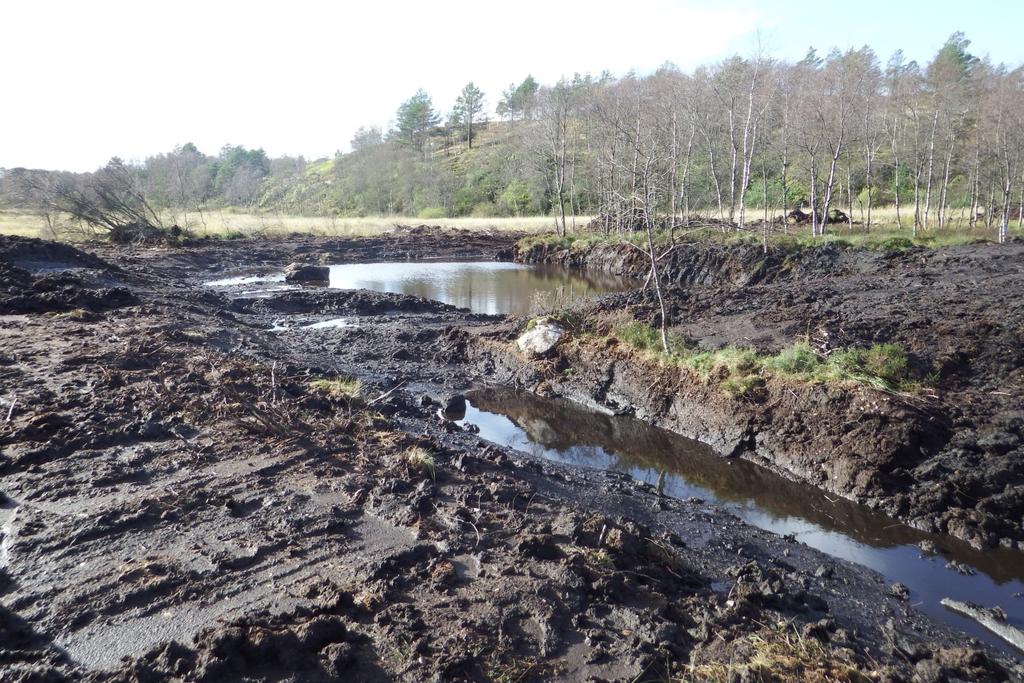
pixel 181 498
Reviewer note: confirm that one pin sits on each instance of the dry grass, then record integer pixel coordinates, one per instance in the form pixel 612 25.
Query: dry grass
pixel 228 222
pixel 231 224
pixel 780 653
pixel 420 460
pixel 341 387
pixel 22 224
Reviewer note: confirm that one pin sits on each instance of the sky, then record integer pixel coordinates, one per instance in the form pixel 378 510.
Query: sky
pixel 85 81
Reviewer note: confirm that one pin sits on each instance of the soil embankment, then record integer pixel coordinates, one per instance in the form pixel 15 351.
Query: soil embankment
pixel 948 459
pixel 192 488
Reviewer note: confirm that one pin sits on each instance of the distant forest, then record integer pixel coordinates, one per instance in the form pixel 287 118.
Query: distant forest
pixel 748 139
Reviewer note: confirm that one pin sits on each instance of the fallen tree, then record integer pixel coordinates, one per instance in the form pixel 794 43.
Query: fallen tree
pixel 109 201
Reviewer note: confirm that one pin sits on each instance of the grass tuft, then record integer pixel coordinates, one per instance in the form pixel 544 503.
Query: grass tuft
pixel 420 460
pixel 646 338
pixel 346 388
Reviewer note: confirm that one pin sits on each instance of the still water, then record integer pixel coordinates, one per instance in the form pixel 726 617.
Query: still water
pixel 491 287
pixel 568 433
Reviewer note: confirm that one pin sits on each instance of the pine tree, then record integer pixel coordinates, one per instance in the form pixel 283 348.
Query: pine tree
pixel 468 108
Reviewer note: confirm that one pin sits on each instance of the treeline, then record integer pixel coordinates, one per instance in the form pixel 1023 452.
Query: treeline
pixel 748 139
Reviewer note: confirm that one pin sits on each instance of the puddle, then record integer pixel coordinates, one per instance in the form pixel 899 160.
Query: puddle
pixel 246 280
pixel 327 324
pixel 331 324
pixel 492 287
pixel 682 468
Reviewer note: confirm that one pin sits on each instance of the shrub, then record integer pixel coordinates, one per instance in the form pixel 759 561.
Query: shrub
pixel 485 210
pixel 515 200
pixel 431 213
pixel 879 197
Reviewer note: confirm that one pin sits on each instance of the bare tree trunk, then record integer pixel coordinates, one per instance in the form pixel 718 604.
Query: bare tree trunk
pixel 764 188
pixel 573 200
pixel 686 176
pixel 1020 208
pixel 636 162
pixel 836 151
pixel 1004 221
pixel 849 197
pixel 945 183
pixel 868 179
pixel 917 196
pixel 749 143
pixel 785 189
pixel 814 198
pixel 990 210
pixel 1008 174
pixel 657 282
pixel 931 164
pixel 972 220
pixel 764 223
pixel 714 177
pixel 748 160
pixel 896 174
pixel 560 173
pixel 673 172
pixel 732 171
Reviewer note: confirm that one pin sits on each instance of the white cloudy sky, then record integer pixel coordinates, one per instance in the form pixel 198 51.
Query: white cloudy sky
pixel 83 81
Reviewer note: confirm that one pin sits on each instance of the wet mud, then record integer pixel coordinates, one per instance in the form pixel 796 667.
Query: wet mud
pixel 187 493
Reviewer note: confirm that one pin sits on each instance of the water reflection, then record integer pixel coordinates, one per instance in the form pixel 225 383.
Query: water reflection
pixel 681 468
pixel 491 287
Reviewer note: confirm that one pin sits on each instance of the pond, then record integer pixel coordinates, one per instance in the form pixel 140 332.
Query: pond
pixel 568 433
pixel 492 287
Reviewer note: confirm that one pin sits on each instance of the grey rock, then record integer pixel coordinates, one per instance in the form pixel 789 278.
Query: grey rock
pixel 541 339
pixel 305 272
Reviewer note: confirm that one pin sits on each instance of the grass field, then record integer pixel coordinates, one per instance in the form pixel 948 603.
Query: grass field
pixel 234 224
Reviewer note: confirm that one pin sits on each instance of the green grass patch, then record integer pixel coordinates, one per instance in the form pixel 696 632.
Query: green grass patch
pixel 646 338
pixel 741 370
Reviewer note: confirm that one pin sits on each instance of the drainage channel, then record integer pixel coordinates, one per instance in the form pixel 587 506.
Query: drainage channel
pixel 932 566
